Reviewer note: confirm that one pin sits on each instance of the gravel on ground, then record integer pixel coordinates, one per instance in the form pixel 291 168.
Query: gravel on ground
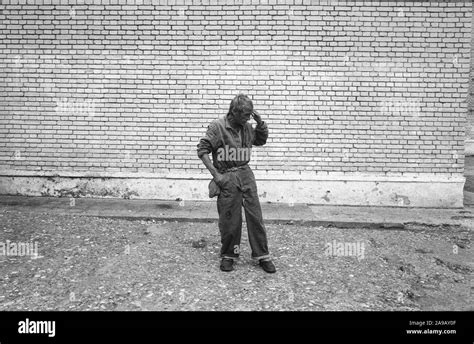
pixel 93 263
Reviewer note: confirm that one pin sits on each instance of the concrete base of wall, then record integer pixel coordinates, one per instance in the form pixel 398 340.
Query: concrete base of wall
pixel 332 189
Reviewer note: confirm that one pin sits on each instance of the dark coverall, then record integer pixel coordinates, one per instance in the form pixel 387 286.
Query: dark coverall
pixel 239 187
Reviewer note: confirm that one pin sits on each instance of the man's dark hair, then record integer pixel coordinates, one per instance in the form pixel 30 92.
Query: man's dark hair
pixel 240 104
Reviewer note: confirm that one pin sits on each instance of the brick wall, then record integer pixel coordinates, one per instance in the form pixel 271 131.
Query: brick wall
pixel 470 115
pixel 130 86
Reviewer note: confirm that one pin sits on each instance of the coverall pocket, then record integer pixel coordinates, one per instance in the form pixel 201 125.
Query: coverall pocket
pixel 226 185
pixel 214 189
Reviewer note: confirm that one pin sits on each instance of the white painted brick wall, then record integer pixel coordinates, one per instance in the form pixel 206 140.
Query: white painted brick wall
pixel 344 86
pixel 470 115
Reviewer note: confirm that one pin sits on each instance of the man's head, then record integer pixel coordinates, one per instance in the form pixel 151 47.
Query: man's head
pixel 241 109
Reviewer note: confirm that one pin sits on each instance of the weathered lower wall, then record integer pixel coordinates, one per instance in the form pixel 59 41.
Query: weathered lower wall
pixel 429 191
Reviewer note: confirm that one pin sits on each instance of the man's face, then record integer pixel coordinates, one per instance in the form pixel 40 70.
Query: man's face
pixel 244 117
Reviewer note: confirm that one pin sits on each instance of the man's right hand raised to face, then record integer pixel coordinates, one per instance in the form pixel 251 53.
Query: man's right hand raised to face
pixel 256 117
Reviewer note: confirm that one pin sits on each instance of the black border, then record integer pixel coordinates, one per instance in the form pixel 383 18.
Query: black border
pixel 324 327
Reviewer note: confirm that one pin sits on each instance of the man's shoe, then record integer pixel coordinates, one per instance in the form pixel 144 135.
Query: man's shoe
pixel 267 265
pixel 227 264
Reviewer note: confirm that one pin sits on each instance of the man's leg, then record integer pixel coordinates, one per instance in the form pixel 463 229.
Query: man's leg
pixel 253 215
pixel 229 208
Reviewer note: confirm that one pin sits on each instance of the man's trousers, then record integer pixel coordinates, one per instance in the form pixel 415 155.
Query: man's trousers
pixel 240 189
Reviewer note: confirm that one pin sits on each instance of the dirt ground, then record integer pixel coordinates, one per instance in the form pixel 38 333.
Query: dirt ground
pixel 91 263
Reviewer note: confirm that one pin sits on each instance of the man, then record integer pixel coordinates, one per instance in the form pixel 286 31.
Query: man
pixel 230 141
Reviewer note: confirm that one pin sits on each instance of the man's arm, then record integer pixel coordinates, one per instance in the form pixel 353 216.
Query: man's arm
pixel 261 131
pixel 205 146
pixel 208 163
